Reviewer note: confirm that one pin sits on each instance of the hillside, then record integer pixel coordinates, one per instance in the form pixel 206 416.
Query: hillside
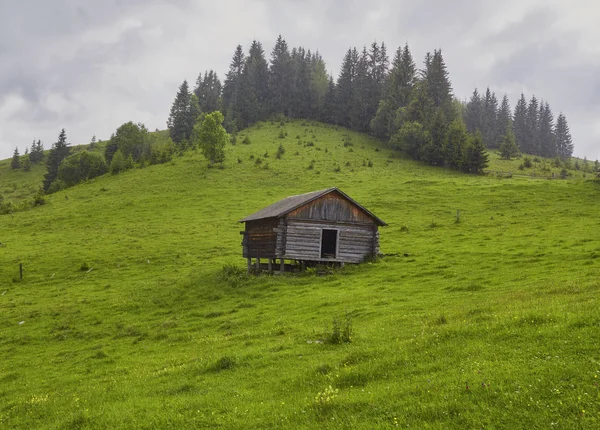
pixel 135 310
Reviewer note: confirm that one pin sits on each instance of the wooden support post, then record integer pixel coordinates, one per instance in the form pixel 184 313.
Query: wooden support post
pixel 282 265
pixel 258 264
pixel 249 264
pixel 21 271
pixel 270 265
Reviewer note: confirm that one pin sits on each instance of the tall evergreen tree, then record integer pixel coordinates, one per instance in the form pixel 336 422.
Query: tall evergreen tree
pixel 508 147
pixel 15 163
pixel 280 77
pixel 208 90
pixel 546 139
pixel 327 109
pixel 504 118
pixel 255 89
pixel 180 121
pixel 532 145
pixel 520 125
pixel 319 84
pixel 302 95
pixel 475 158
pixel 564 144
pixel 401 78
pixel 439 87
pixel 474 113
pixel 490 119
pixel 362 109
pixel 345 87
pixel 60 150
pixel 232 89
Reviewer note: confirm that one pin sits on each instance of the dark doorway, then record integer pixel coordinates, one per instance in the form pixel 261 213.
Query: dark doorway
pixel 329 244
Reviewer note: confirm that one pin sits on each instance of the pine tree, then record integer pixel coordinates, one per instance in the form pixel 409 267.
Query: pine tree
pixel 546 136
pixel 490 119
pixel 208 91
pixel 254 86
pixel 60 150
pixel 302 95
pixel 508 147
pixel 232 89
pixel 401 78
pixel 362 110
pixel 520 125
pixel 562 134
pixel 280 78
pixel 476 158
pixel 26 164
pixel 15 163
pixel 345 87
pixel 433 152
pixel 439 87
pixel 532 146
pixel 180 122
pixel 504 118
pixel 474 113
pixel 319 85
pixel 327 110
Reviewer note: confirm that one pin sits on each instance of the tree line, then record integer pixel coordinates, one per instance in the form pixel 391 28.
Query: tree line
pixel 411 108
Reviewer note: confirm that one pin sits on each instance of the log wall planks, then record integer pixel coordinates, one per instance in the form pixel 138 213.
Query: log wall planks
pixel 298 235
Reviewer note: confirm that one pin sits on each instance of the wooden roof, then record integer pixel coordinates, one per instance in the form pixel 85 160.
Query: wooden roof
pixel 285 206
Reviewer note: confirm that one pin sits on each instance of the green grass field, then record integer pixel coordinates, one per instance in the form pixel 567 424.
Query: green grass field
pixel 135 310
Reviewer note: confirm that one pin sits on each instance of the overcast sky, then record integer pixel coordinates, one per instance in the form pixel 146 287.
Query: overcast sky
pixel 91 65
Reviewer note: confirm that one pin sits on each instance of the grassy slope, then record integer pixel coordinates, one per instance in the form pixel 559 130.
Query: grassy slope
pixel 491 322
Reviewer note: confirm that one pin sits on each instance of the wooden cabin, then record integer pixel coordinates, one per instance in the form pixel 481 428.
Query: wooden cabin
pixel 324 226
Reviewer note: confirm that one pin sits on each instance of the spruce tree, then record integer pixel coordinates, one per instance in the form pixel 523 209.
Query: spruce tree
pixel 26 164
pixel 508 147
pixel 280 78
pixel 532 146
pixel 254 86
pixel 490 119
pixel 439 87
pixel 564 144
pixel 520 125
pixel 180 122
pixel 504 118
pixel 15 163
pixel 361 109
pixel 319 85
pixel 433 152
pixel 345 87
pixel 327 109
pixel 208 91
pixel 474 113
pixel 476 157
pixel 401 79
pixel 60 150
pixel 232 89
pixel 546 136
pixel 301 95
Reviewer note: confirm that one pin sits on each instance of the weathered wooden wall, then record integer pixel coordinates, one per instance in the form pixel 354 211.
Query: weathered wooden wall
pixel 260 239
pixel 331 207
pixel 303 240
